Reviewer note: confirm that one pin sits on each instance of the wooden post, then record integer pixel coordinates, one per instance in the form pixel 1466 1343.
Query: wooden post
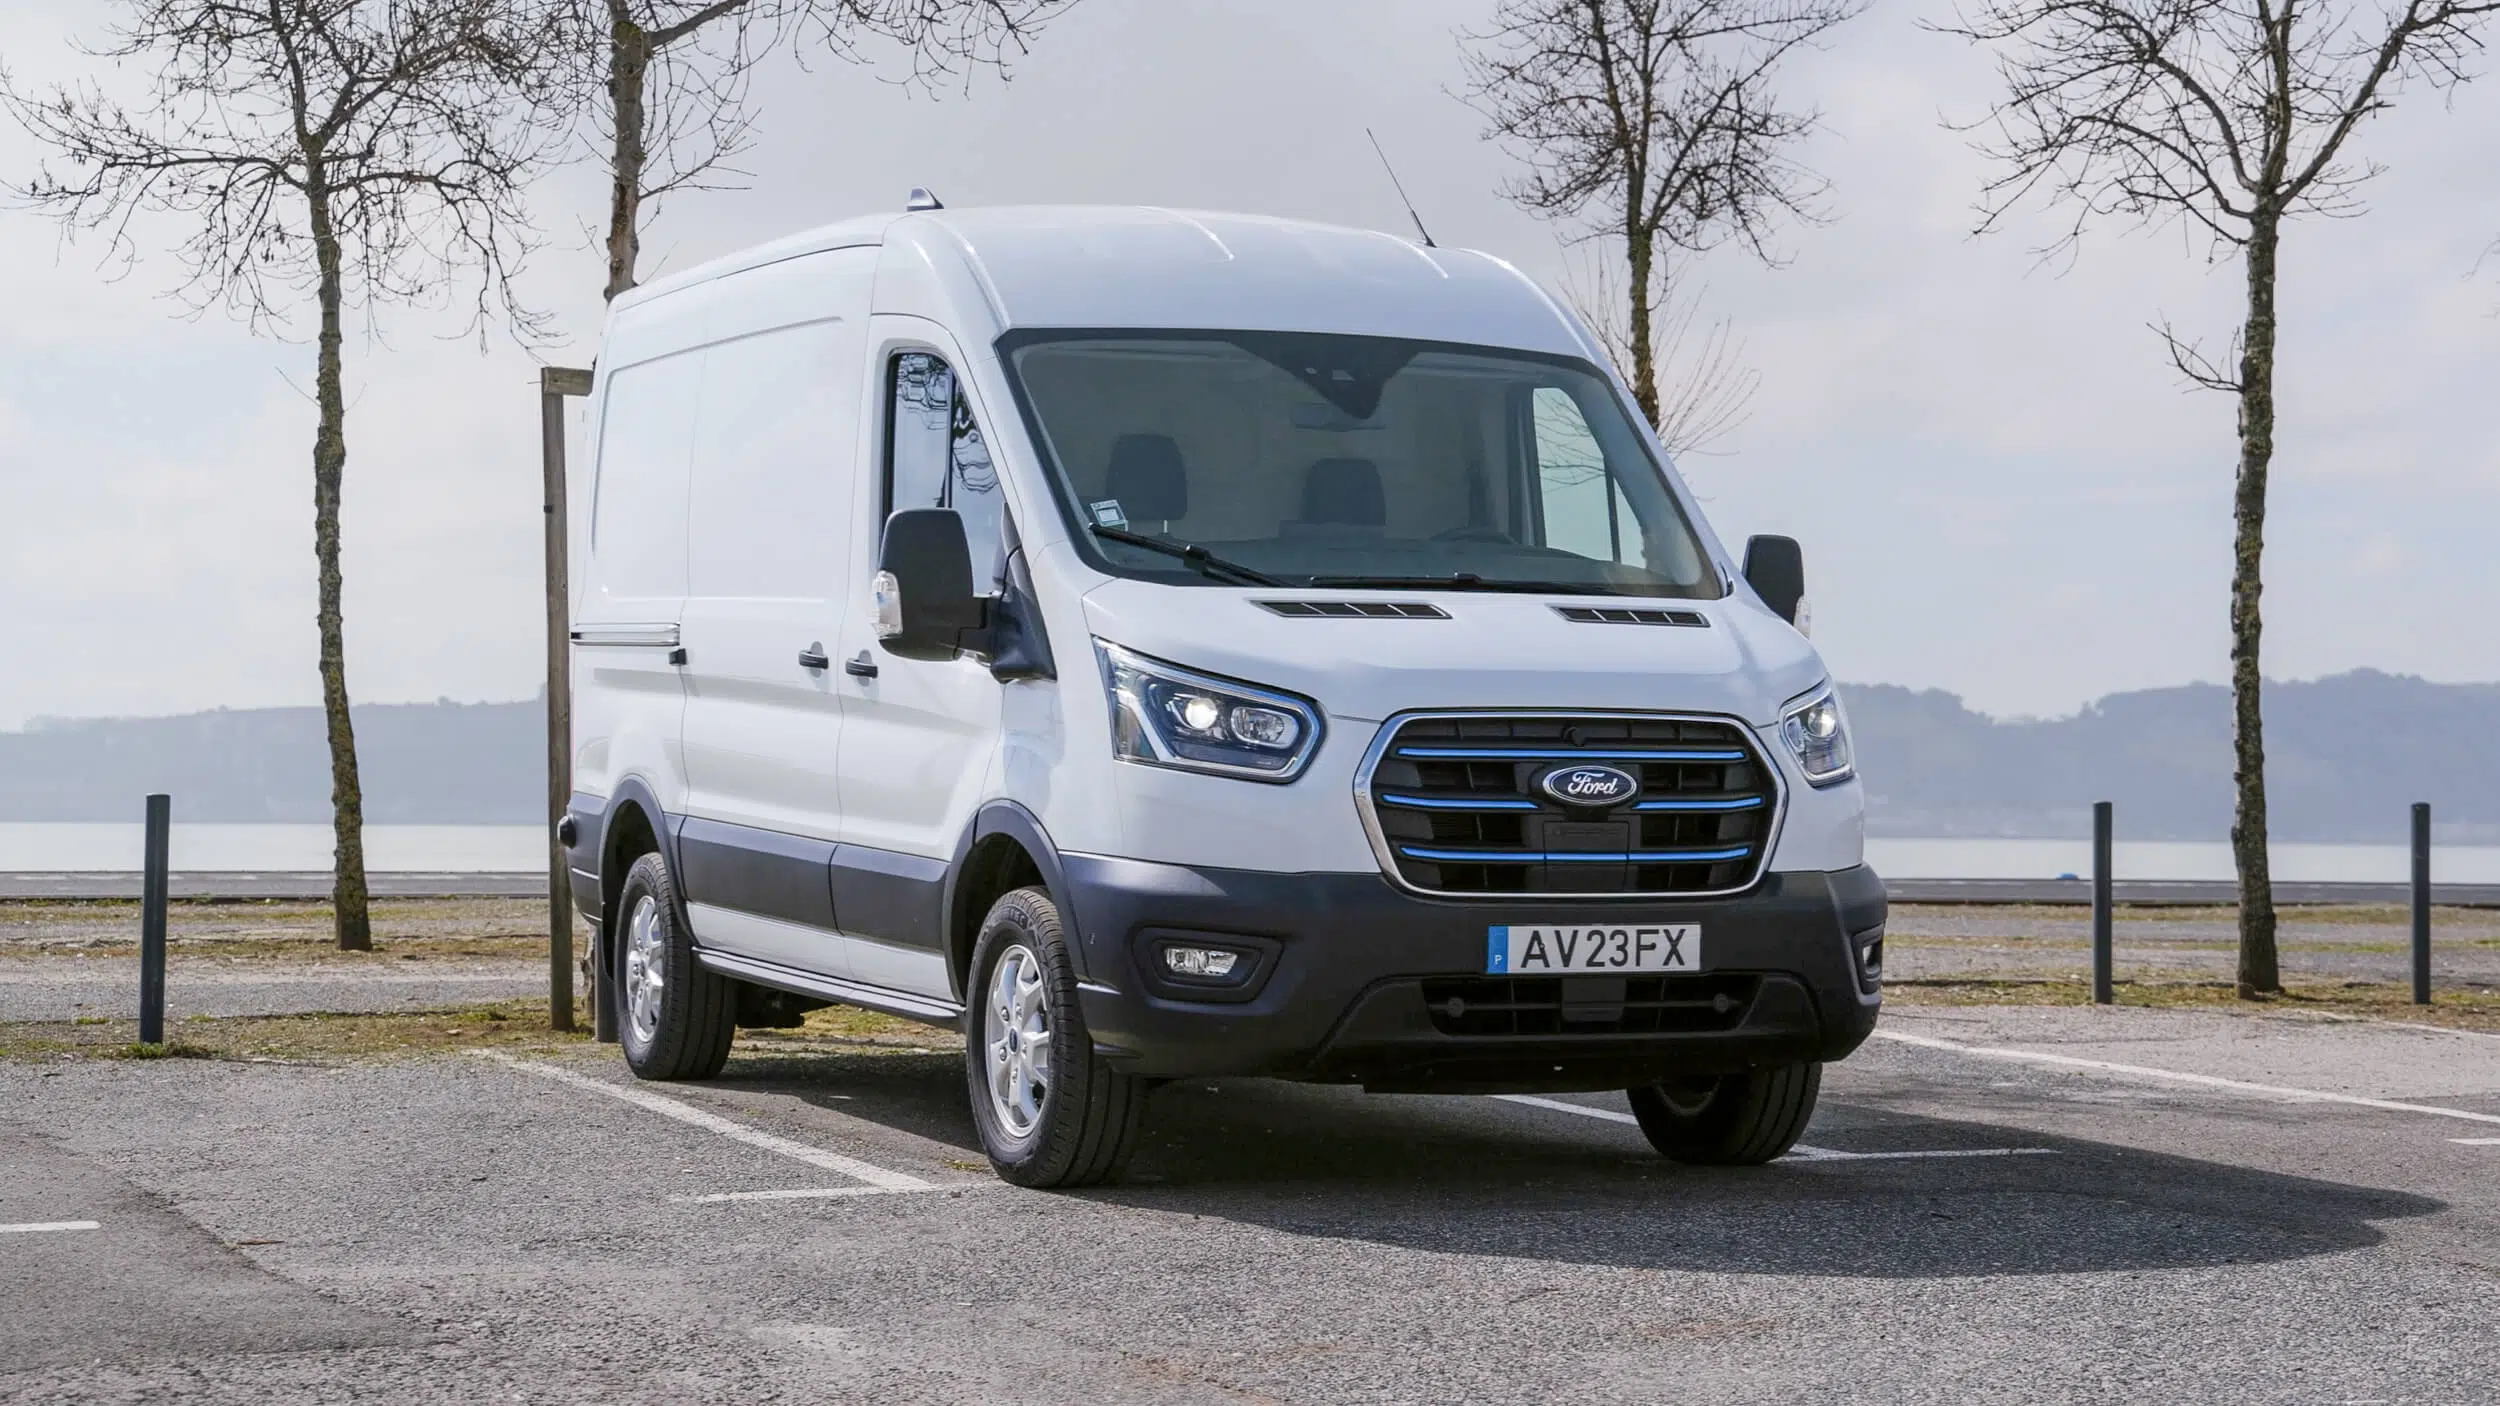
pixel 554 384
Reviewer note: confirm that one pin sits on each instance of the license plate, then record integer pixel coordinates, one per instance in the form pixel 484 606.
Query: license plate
pixel 1633 947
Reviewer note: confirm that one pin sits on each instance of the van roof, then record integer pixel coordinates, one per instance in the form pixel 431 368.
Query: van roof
pixel 1144 266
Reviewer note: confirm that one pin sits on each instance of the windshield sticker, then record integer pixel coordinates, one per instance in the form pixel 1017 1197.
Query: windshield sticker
pixel 1107 514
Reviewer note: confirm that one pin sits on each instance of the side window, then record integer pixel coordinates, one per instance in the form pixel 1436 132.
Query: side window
pixel 936 456
pixel 1582 510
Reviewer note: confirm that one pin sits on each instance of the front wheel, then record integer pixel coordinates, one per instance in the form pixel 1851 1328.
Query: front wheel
pixel 1733 1120
pixel 1049 1110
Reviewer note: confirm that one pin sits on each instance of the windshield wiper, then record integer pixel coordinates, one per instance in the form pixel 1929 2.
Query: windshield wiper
pixel 1205 562
pixel 1466 581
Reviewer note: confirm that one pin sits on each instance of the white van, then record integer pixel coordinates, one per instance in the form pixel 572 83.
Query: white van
pixel 1166 644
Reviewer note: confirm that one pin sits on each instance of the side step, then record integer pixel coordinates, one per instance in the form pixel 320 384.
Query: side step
pixel 828 988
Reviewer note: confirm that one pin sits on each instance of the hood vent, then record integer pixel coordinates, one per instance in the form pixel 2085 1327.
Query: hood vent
pixel 1356 609
pixel 1612 615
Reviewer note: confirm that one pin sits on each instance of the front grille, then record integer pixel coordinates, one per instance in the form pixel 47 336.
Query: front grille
pixel 1459 809
pixel 1590 1005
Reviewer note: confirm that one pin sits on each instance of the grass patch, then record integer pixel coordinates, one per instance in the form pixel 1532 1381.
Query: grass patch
pixel 315 951
pixel 321 1037
pixel 2151 942
pixel 345 1036
pixel 171 1049
pixel 2353 914
pixel 2468 1008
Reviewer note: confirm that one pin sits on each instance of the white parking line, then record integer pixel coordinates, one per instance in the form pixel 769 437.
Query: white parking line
pixel 2434 1029
pixel 827 1193
pixel 804 1193
pixel 876 1176
pixel 2477 1141
pixel 1798 1153
pixel 35 1226
pixel 2210 1081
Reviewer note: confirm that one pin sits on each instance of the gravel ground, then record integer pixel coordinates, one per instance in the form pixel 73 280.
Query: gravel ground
pixel 64 961
pixel 454 1228
pixel 1929 942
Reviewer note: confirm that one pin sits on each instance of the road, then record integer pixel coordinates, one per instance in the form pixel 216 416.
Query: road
pixel 2164 1205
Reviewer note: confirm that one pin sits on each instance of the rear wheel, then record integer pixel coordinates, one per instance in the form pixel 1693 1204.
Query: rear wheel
pixel 1732 1120
pixel 674 1019
pixel 1050 1111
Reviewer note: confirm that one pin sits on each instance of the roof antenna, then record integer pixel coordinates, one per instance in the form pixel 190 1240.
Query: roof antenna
pixel 922 198
pixel 1401 190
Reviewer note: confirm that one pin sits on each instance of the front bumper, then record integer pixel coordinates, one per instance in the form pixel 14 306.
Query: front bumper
pixel 1353 981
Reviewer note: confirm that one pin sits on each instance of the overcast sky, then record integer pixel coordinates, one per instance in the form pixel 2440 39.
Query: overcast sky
pixel 2002 488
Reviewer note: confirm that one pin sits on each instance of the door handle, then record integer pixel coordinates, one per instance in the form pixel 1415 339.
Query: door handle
pixel 813 657
pixel 862 667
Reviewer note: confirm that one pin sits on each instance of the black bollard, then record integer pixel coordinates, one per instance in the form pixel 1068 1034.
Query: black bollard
pixel 152 923
pixel 2421 903
pixel 2103 939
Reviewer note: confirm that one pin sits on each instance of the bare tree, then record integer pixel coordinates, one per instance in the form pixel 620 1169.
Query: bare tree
pixel 1703 385
pixel 1658 116
pixel 675 77
pixel 333 151
pixel 2229 117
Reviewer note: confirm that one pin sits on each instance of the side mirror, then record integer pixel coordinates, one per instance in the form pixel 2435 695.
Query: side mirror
pixel 924 598
pixel 1776 569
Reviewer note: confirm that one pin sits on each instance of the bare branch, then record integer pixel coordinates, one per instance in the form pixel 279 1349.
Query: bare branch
pixel 417 122
pixel 1703 387
pixel 2192 363
pixel 2223 114
pixel 1655 122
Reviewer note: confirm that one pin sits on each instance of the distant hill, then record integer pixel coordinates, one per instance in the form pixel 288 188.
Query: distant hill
pixel 420 763
pixel 2346 756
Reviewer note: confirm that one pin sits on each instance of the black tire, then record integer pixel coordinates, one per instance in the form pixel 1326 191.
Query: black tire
pixel 1084 1123
pixel 1735 1120
pixel 681 1031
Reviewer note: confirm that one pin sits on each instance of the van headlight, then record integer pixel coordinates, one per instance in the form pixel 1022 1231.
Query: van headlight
pixel 1816 733
pixel 1165 715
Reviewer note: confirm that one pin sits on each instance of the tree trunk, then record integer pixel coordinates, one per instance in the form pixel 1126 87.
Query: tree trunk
pixel 1638 252
pixel 629 70
pixel 2259 972
pixel 347 804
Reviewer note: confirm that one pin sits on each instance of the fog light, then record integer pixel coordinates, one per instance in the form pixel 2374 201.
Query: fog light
pixel 1870 945
pixel 1204 963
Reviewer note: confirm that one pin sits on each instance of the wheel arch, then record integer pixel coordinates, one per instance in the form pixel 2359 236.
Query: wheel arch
pixel 1004 849
pixel 632 825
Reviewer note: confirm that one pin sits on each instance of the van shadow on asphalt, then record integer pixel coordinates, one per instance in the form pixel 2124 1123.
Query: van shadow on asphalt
pixel 1487 1177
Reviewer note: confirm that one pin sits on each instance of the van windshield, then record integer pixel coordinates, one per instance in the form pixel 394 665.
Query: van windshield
pixel 1307 459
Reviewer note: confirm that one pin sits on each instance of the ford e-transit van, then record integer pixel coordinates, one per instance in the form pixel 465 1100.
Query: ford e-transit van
pixel 1168 644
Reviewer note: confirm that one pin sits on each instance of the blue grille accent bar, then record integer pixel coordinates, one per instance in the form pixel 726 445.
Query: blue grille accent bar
pixel 1738 803
pixel 1666 856
pixel 1564 754
pixel 1433 803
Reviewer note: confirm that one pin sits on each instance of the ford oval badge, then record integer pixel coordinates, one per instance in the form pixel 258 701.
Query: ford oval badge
pixel 1590 785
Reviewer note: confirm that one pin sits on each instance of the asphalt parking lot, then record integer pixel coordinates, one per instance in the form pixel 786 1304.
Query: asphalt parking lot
pixel 1997 1204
